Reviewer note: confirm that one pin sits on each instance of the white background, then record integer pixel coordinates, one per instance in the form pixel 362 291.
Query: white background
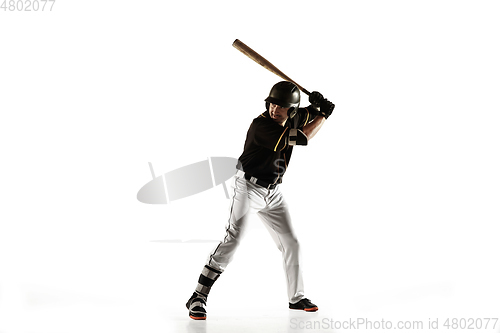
pixel 395 201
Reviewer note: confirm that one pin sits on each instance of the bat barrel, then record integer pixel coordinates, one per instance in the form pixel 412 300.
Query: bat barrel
pixel 246 50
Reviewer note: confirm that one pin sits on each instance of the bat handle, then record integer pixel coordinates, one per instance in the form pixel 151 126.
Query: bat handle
pixel 304 90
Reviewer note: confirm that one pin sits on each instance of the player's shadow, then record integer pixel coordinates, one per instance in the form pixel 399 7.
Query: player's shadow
pixel 197 326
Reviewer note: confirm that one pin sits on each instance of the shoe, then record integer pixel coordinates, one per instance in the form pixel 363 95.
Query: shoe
pixel 196 308
pixel 304 304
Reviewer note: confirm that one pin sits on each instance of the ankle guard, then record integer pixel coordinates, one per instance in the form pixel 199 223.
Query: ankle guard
pixel 207 278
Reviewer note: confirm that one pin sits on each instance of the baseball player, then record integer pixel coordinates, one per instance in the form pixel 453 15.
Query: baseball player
pixel 255 189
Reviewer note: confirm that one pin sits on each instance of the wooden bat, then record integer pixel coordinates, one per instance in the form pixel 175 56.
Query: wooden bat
pixel 264 63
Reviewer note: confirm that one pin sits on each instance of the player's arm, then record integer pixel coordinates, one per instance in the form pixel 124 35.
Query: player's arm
pixel 309 124
pixel 321 109
pixel 313 127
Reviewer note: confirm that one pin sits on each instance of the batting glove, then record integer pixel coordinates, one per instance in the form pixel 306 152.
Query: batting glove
pixel 326 108
pixel 315 98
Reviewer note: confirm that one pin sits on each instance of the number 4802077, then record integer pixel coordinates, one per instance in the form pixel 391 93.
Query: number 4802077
pixel 27 5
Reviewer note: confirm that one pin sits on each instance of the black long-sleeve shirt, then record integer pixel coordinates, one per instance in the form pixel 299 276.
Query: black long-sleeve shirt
pixel 266 153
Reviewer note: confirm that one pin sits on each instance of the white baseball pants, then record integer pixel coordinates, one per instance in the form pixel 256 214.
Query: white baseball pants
pixel 248 198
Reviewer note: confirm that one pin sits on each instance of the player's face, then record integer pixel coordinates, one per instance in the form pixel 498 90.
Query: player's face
pixel 278 114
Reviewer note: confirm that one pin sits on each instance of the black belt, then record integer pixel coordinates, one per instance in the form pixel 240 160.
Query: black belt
pixel 259 182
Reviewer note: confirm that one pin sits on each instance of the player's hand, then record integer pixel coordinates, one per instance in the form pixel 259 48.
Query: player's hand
pixel 315 98
pixel 326 108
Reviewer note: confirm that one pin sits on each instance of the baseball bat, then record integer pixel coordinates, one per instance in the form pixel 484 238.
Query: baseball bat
pixel 265 63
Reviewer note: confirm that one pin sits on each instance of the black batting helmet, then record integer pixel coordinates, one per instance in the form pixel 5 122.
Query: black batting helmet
pixel 285 94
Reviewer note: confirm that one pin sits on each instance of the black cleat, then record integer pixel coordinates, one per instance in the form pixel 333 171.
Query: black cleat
pixel 304 304
pixel 196 308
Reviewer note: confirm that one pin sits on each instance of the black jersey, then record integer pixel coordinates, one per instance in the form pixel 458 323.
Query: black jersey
pixel 267 153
